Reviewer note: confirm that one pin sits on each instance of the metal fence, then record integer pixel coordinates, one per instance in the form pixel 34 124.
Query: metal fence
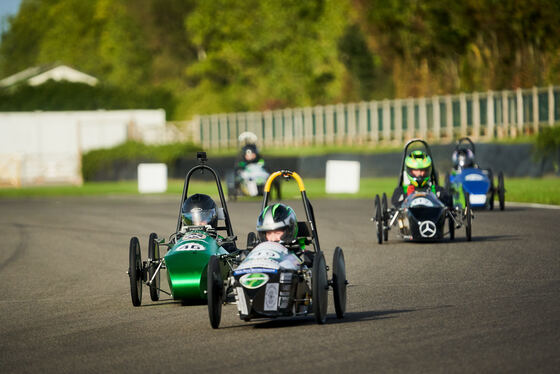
pixel 480 115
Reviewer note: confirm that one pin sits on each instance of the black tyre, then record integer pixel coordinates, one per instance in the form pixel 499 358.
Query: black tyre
pixel 492 189
pixel 378 220
pixel 468 213
pixel 339 282
pixel 135 271
pixel 501 191
pixel 451 228
pixel 252 240
pixel 215 289
pixel 385 216
pixel 153 257
pixel 319 288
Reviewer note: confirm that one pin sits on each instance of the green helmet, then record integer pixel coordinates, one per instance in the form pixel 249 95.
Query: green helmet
pixel 418 168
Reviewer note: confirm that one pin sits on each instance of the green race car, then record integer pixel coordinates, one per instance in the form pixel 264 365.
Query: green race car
pixel 190 247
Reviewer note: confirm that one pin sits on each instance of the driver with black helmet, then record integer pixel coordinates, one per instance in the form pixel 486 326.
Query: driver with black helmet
pixel 199 210
pixel 463 158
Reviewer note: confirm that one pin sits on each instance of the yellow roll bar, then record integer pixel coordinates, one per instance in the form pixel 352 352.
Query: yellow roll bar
pixel 285 173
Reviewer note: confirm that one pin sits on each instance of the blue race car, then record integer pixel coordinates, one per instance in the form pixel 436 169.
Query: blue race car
pixel 468 179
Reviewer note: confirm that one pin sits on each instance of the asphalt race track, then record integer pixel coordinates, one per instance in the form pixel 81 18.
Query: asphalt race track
pixel 490 305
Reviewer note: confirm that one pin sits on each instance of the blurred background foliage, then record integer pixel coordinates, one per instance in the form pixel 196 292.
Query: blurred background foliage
pixel 197 57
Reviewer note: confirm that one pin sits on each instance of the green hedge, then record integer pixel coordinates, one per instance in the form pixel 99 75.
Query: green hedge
pixel 547 145
pixel 79 96
pixel 129 154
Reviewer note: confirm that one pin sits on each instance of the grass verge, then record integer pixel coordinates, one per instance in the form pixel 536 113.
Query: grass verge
pixel 533 190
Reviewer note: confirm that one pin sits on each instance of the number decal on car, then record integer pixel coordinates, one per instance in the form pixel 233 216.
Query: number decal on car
pixel 191 247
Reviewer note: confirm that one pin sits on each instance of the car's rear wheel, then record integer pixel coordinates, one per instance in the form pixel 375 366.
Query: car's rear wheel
pixel 378 219
pixel 135 271
pixel 468 213
pixel 339 282
pixel 319 288
pixel 153 258
pixel 492 189
pixel 501 191
pixel 385 216
pixel 215 292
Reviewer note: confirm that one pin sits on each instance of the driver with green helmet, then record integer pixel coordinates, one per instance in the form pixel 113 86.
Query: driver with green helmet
pixel 418 176
pixel 278 223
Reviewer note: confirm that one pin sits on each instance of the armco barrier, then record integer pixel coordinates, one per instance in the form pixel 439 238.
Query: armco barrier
pixel 515 160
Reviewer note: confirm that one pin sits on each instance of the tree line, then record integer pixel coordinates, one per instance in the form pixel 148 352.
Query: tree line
pixel 223 55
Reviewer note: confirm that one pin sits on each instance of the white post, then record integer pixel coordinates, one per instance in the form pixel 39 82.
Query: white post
pixel 437 120
pixel 351 135
pixel 505 115
pixel 289 127
pixel 463 113
pixel 362 122
pixel 196 129
pixel 233 134
pixel 386 120
pixel 449 116
pixel 476 115
pixel 298 126
pixel 278 128
pixel 268 137
pixel 410 131
pixel 215 142
pixel 423 117
pixel 373 117
pixel 340 124
pixel 319 125
pixel 224 138
pixel 550 105
pixel 398 135
pixel 490 114
pixel 519 97
pixel 329 111
pixel 535 110
pixel 308 125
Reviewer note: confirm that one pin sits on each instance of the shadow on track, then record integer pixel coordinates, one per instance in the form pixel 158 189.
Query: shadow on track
pixel 349 317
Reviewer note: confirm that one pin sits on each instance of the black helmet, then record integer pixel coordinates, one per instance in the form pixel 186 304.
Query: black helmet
pixel 249 152
pixel 463 158
pixel 199 210
pixel 278 217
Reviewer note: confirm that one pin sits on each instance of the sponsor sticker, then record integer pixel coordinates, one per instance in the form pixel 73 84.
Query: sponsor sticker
pixel 474 177
pixel 259 263
pixel 263 253
pixel 286 277
pixel 283 302
pixel 421 201
pixel 477 199
pixel 254 270
pixel 253 280
pixel 270 246
pixel 195 236
pixel 271 297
